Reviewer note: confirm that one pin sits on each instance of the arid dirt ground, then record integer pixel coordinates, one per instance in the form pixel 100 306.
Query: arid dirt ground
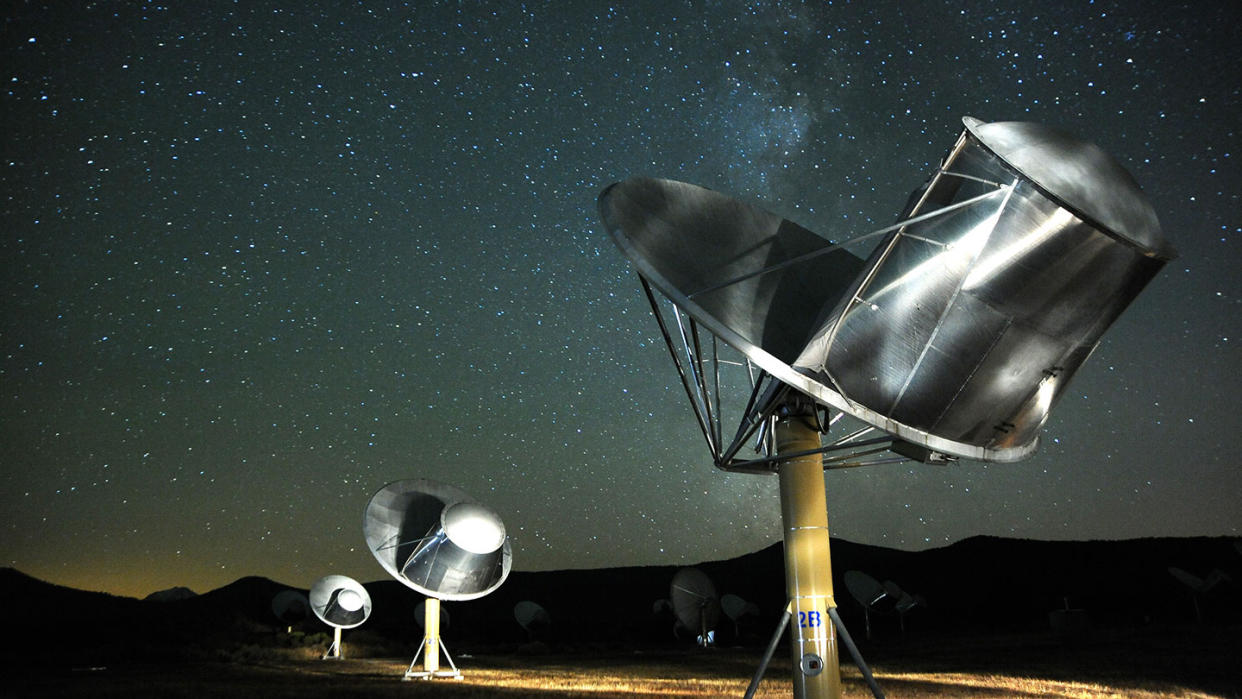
pixel 1144 666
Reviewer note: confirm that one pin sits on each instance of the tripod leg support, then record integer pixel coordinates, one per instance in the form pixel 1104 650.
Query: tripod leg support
pixel 767 654
pixel 853 649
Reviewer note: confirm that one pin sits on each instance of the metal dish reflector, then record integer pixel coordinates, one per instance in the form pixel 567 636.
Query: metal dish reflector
pixel 695 602
pixel 960 330
pixel 437 540
pixel 290 606
pixel 340 601
pixel 531 616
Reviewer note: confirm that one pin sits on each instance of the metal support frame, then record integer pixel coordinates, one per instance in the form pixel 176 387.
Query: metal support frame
pixel 846 641
pixel 431 647
pixel 700 372
pixel 334 650
pixel 767 654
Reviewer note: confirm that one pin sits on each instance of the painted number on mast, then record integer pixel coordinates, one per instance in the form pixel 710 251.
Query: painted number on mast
pixel 810 620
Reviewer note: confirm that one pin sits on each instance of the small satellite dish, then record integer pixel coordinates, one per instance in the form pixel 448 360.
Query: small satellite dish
pixel 696 604
pixel 532 617
pixel 867 591
pixel 290 607
pixel 737 609
pixel 340 602
pixel 1199 586
pixel 435 539
pixel 904 602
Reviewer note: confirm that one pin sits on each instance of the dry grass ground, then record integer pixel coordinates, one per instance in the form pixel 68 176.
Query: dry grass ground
pixel 717 673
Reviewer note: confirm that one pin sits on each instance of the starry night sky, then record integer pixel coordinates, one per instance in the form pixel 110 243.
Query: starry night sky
pixel 261 259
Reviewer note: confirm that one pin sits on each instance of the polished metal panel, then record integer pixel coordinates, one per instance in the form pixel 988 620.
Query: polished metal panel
pixel 340 601
pixel 966 327
pixel 436 539
pixel 473 527
pixel 691 242
pixel 961 329
pixel 1078 175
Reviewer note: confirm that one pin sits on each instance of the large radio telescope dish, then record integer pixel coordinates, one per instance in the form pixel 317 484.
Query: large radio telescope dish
pixel 442 543
pixel 437 540
pixel 952 337
pixel 960 329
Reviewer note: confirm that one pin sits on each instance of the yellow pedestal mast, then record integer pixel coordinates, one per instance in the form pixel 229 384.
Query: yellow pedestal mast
pixel 431 636
pixel 432 645
pixel 808 563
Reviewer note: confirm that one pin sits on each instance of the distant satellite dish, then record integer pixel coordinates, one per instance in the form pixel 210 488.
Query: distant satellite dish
pixel 1199 586
pixel 865 589
pixel 695 603
pixel 737 609
pixel 290 607
pixel 532 617
pixel 868 592
pixel 340 602
pixel 904 602
pixel 950 334
pixel 437 540
pixel 441 542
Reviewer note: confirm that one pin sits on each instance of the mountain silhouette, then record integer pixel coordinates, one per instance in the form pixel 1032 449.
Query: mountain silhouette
pixel 979 585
